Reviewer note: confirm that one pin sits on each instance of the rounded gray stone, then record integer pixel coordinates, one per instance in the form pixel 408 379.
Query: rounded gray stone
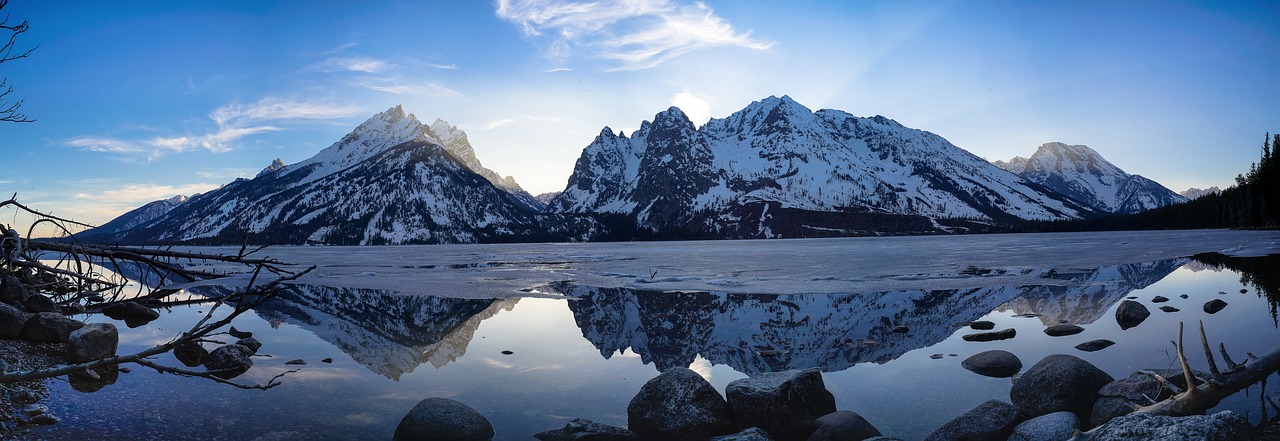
pixel 785 404
pixel 843 425
pixel 679 405
pixel 995 363
pixel 1131 313
pixel 1053 426
pixel 1058 382
pixel 442 419
pixel 91 342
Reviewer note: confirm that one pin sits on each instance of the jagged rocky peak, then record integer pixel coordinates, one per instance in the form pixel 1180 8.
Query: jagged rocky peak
pixel 1016 165
pixel 1060 157
pixel 1197 193
pixel 179 198
pixel 275 165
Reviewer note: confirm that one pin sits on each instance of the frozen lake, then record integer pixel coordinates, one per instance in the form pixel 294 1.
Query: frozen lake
pixel 588 324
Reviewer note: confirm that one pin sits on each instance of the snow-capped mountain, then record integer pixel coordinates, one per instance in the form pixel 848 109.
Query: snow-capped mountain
pixel 1081 173
pixel 766 333
pixel 392 180
pixel 777 168
pixel 1196 193
pixel 141 215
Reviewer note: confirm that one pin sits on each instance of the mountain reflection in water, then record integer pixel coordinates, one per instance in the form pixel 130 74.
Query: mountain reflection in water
pixel 387 332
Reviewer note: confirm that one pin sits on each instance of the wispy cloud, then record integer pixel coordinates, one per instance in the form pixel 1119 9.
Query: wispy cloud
pixel 352 64
pixel 133 195
pixel 234 122
pixel 630 34
pixel 519 119
pixel 403 86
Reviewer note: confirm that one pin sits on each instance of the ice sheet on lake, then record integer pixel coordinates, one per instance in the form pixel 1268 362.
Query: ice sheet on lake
pixel 793 266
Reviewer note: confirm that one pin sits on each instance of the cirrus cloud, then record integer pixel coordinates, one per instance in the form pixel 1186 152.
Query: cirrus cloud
pixel 629 34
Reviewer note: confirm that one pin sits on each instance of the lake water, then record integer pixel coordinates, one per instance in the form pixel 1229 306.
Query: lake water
pixel 586 325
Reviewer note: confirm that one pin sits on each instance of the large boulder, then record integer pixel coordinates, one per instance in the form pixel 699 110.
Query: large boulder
pixel 586 430
pixel 989 421
pixel 12 291
pixel 1215 305
pixel 91 342
pixel 679 405
pixel 1058 382
pixel 1221 426
pixel 994 363
pixel 1130 314
pixel 442 419
pixel 843 425
pixel 12 320
pixel 1121 397
pixel 786 404
pixel 133 314
pixel 1058 426
pixel 49 327
pixel 229 361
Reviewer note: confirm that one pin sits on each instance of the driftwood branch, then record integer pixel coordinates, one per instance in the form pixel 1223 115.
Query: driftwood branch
pixel 1200 398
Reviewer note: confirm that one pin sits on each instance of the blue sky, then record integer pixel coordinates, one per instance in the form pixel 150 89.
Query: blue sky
pixel 144 100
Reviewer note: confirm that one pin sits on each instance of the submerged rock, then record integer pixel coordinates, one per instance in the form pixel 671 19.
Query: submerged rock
pixel 1159 299
pixel 1056 383
pixel 93 380
pixel 1221 426
pixel 991 420
pixel 996 363
pixel 748 434
pixel 586 430
pixel 1003 334
pixel 1130 314
pixel 1095 345
pixel 1169 309
pixel 785 404
pixel 982 325
pixel 679 405
pixel 443 419
pixel 236 333
pixel 843 425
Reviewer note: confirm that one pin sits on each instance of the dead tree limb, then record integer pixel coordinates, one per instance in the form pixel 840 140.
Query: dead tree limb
pixel 1200 398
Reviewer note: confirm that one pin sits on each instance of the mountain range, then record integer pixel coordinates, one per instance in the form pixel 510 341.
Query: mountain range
pixel 773 169
pixel 1081 173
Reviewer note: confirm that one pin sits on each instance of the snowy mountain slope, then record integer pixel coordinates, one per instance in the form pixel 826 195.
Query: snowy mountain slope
pixel 669 174
pixel 141 215
pixel 765 333
pixel 390 181
pixel 1081 173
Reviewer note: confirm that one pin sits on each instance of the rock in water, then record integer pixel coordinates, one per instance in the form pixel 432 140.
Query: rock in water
pixel 991 420
pixel 1003 334
pixel 843 425
pixel 443 419
pixel 1221 426
pixel 983 325
pixel 1130 314
pixel 91 342
pixel 190 353
pixel 133 314
pixel 1215 305
pixel 995 363
pixel 1056 383
pixel 229 361
pixel 586 430
pixel 1159 299
pixel 1169 309
pixel 238 333
pixel 1095 345
pixel 1063 330
pixel 251 343
pixel 1054 426
pixel 679 405
pixel 785 404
